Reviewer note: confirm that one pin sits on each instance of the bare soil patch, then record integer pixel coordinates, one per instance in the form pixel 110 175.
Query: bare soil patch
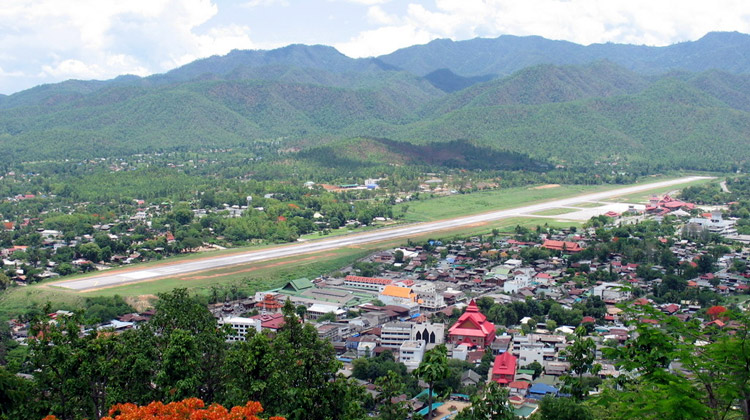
pixel 544 187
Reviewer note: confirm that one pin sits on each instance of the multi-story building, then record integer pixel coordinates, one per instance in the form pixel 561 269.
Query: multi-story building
pixel 393 334
pixel 240 327
pixel 430 297
pixel 411 354
pixel 367 283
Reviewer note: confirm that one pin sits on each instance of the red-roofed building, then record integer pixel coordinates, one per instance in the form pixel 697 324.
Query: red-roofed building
pixel 8 225
pixel 270 321
pixel 472 329
pixel 671 308
pixel 504 369
pixel 519 387
pixel 564 246
pixel 589 319
pixel 667 204
pixel 367 283
pixel 269 304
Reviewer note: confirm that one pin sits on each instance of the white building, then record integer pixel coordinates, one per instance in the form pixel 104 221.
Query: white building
pixel 394 334
pixel 318 309
pixel 531 352
pixel 366 348
pixel 430 297
pixel 716 224
pixel 428 332
pixel 240 326
pixel 611 291
pixel 521 278
pixel 411 354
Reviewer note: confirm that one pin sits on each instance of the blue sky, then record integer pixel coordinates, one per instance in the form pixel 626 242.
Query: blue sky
pixel 47 41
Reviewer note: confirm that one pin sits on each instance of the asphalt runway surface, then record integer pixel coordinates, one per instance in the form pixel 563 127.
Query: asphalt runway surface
pixel 118 277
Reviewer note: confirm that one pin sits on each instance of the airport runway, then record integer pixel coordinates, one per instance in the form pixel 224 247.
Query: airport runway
pixel 120 277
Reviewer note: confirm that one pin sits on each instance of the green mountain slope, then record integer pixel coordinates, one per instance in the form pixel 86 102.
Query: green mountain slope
pixel 669 124
pixel 546 84
pixel 564 114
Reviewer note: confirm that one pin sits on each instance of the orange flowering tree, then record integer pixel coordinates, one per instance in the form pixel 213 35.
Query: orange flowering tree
pixel 187 409
pixel 717 312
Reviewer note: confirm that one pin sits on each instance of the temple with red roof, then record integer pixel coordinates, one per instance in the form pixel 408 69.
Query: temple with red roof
pixel 472 329
pixel 504 368
pixel 269 304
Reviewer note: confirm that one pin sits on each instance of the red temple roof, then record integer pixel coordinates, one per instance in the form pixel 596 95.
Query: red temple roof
pixel 505 364
pixel 561 245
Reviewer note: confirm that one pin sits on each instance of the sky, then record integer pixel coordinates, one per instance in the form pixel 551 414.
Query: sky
pixel 48 41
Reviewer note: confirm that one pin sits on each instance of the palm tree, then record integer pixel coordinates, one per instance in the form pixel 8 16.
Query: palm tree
pixel 434 368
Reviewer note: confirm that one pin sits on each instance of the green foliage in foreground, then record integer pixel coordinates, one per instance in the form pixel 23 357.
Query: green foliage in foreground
pixel 180 353
pixel 675 370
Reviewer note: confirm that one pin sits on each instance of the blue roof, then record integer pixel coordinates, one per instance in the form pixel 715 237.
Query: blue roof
pixel 542 389
pixel 424 393
pixel 423 412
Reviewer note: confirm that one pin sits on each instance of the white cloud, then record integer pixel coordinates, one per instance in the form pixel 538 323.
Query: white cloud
pixel 4 73
pixel 376 14
pixel 384 40
pixel 256 3
pixel 84 39
pixel 582 21
pixel 366 2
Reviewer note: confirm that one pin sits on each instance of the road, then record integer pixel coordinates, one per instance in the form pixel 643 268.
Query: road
pixel 121 277
pixel 724 186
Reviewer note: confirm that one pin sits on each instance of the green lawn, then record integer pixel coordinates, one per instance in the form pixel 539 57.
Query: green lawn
pixel 554 212
pixel 484 201
pixel 643 197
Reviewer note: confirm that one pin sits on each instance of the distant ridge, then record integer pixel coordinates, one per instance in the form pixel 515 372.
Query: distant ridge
pixel 728 51
pixel 447 81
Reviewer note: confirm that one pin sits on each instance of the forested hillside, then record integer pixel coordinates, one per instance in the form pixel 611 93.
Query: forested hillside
pixel 307 96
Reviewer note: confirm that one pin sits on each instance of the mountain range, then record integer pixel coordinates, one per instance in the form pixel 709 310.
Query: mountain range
pixel 681 106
